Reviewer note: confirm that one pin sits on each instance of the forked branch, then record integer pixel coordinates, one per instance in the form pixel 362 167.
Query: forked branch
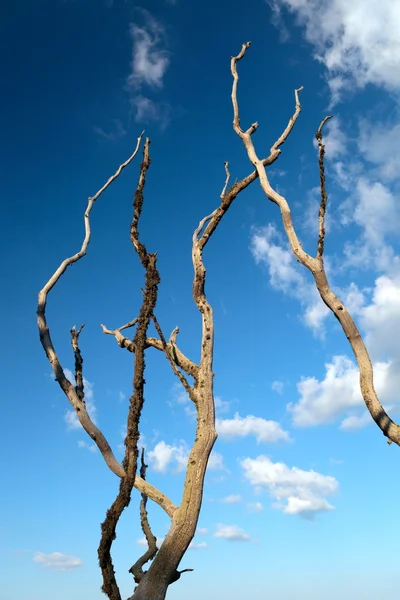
pixel 316 265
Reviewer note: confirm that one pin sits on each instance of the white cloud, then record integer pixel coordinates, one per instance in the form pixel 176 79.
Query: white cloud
pixel 70 417
pixel 379 144
pixel 376 210
pixel 57 561
pixel 297 491
pixel 163 455
pixel 90 447
pixel 232 499
pixel 150 59
pixel 201 530
pixel 278 387
pixel 232 533
pixel 263 430
pixel 255 507
pixel 381 317
pixel 339 393
pixel 286 275
pixel 357 41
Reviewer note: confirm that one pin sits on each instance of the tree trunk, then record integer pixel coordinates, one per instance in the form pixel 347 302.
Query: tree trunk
pixel 150 590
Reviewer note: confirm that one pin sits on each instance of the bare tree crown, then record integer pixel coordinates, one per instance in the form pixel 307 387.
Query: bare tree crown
pixel 197 379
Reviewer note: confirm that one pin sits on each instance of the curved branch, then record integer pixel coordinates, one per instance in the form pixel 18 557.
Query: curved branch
pixel 47 343
pixel 316 267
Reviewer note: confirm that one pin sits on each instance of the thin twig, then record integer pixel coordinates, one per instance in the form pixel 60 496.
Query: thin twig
pixel 228 176
pixel 170 353
pixel 137 568
pixel 324 196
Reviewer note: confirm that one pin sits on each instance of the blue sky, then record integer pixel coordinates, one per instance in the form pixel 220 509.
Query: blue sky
pixel 300 500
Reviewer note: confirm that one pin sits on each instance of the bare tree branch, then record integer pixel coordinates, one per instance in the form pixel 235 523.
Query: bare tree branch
pixel 316 267
pixel 324 196
pixel 228 176
pixel 47 343
pixel 181 360
pixel 108 527
pixel 79 387
pixel 170 353
pixel 137 568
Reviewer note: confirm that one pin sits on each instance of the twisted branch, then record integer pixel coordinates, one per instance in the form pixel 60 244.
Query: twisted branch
pixel 108 527
pixel 324 196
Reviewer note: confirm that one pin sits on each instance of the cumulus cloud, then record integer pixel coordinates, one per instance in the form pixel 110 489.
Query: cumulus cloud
pixel 70 417
pixel 232 533
pixel 296 491
pixel 286 275
pixel 324 401
pixel 357 41
pixel 374 208
pixel 57 561
pixel 379 143
pixel 263 430
pixel 175 457
pixel 164 455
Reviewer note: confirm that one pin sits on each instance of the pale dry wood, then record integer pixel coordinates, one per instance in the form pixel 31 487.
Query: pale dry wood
pixel 75 397
pixel 316 265
pixel 181 361
pixel 164 569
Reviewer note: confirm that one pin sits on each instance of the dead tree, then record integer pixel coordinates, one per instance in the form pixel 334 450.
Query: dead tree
pixel 197 379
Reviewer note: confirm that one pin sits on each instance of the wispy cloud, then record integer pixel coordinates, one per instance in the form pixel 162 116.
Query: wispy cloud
pixel 150 59
pixel 118 131
pixel 57 561
pixel 232 533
